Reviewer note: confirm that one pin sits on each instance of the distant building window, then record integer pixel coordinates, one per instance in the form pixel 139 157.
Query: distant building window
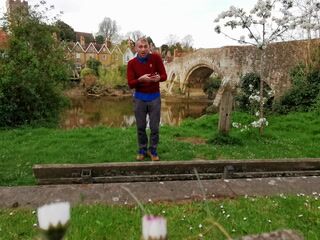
pixel 77 55
pixel 104 57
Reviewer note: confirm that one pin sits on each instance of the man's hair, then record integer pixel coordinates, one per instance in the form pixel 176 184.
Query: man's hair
pixel 143 40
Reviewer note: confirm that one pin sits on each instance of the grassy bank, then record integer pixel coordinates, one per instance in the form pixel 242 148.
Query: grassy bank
pixel 294 135
pixel 185 221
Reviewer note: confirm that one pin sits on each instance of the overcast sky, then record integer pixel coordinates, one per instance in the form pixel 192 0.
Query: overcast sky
pixel 155 18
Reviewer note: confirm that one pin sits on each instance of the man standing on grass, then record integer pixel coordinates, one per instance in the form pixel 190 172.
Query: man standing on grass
pixel 144 72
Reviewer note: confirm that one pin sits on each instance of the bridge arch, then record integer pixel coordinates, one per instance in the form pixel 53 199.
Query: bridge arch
pixel 196 76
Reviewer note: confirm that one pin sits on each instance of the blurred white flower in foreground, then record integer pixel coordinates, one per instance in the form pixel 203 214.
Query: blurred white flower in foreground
pixel 154 227
pixel 53 215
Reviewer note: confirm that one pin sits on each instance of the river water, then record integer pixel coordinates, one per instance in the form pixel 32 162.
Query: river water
pixel 118 112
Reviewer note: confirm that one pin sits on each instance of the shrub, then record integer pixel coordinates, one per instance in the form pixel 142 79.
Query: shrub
pixel 224 139
pixel 304 92
pixel 211 86
pixel 94 65
pixel 86 71
pixel 249 86
pixel 33 72
pixel 88 82
pixel 316 106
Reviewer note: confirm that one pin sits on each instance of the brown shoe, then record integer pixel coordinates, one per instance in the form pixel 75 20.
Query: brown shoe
pixel 141 155
pixel 152 153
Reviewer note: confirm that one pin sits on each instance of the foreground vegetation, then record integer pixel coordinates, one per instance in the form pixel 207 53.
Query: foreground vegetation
pixel 296 135
pixel 185 221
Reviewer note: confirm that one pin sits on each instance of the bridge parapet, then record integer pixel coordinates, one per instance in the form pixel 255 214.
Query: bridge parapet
pixel 231 62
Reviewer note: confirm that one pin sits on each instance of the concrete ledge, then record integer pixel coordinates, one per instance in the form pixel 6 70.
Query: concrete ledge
pixel 174 170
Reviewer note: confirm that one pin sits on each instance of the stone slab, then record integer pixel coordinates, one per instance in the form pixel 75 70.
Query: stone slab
pixel 151 192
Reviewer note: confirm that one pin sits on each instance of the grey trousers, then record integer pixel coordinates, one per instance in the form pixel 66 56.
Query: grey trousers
pixel 141 110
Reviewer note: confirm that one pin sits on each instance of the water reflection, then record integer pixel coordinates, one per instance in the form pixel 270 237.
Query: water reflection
pixel 115 112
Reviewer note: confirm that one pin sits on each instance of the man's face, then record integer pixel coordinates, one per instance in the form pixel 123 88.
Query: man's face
pixel 142 48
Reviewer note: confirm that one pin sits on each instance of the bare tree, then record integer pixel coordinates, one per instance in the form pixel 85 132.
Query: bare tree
pixel 187 41
pixel 135 35
pixel 108 28
pixel 172 40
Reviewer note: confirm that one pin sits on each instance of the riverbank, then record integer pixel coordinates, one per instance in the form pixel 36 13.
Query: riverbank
pixel 76 92
pixel 292 136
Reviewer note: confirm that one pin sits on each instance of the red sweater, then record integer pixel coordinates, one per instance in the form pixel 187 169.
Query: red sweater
pixel 135 69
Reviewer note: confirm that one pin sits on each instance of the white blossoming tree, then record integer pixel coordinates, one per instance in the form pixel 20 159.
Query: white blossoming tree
pixel 265 23
pixel 308 17
pixel 308 24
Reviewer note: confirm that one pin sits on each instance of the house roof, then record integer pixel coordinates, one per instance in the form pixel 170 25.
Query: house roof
pixel 70 45
pixel 78 47
pixel 98 46
pixel 116 48
pixel 87 36
pixel 91 48
pixel 104 49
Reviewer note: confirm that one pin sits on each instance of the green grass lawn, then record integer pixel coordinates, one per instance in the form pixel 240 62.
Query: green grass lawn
pixel 293 136
pixel 290 136
pixel 239 217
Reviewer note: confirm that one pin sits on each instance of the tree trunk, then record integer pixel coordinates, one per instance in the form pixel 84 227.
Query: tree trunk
pixel 261 110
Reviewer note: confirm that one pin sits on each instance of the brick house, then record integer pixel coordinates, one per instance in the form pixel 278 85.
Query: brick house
pixel 104 55
pixel 85 48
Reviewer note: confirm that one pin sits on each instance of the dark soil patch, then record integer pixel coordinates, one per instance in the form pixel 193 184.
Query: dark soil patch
pixel 193 140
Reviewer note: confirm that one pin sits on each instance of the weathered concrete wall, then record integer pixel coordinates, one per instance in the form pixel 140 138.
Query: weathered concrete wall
pixel 233 61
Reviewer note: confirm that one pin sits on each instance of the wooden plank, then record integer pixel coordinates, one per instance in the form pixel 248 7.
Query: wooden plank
pixel 225 112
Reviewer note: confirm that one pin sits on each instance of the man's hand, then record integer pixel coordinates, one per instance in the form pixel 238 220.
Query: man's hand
pixel 144 78
pixel 154 77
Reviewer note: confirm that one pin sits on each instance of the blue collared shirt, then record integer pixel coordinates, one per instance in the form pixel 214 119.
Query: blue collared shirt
pixel 146 97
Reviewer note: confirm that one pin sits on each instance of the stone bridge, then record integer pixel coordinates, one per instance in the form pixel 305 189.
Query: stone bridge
pixel 230 62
